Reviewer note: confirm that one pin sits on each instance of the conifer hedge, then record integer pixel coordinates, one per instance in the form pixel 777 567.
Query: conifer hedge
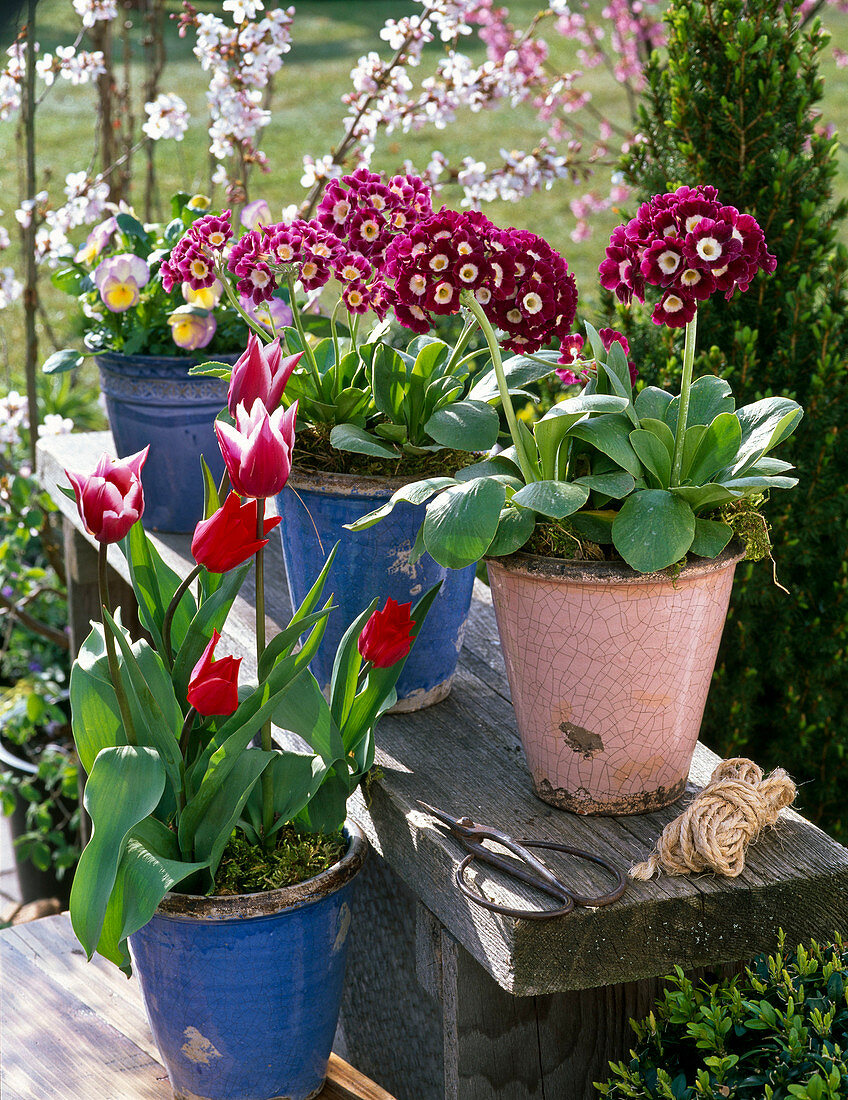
pixel 734 105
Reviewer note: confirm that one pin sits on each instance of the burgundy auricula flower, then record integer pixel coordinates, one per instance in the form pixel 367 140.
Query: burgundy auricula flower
pixel 688 244
pixel 260 372
pixel 258 450
pixel 111 499
pixel 387 636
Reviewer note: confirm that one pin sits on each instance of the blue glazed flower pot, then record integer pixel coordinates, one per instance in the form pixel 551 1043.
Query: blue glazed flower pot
pixel 372 563
pixel 243 993
pixel 153 399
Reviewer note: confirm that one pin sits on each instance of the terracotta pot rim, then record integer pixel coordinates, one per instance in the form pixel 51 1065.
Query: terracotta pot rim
pixel 268 902
pixel 612 572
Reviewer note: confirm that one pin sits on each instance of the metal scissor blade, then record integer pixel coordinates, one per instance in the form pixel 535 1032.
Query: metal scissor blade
pixel 455 824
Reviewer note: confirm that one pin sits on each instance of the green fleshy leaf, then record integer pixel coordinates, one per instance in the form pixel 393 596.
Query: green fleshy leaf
pixel 653 530
pixel 710 538
pixel 348 437
pixel 461 523
pixel 552 498
pixel 464 426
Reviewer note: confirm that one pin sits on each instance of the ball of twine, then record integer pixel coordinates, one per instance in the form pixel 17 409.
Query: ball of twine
pixel 714 831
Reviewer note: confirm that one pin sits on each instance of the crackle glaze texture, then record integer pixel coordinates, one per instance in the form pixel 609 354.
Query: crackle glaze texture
pixel 153 399
pixel 609 676
pixel 246 1008
pixel 370 563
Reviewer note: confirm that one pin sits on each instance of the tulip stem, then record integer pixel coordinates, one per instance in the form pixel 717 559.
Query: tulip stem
pixel 267 780
pixel 188 726
pixel 111 654
pixel 172 610
pixel 307 347
pixel 683 406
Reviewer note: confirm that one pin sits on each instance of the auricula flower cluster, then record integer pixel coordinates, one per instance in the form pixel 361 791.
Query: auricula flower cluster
pixel 522 284
pixel 689 245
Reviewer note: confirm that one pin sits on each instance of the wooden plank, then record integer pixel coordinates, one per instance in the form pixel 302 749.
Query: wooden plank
pixel 390 1028
pixel 49 990
pixel 55 1045
pixel 346 1083
pixel 51 949
pixel 464 756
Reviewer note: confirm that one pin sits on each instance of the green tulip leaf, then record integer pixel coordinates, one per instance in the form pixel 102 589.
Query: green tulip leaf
pixel 124 787
pixel 149 868
pixel 653 530
pixel 348 437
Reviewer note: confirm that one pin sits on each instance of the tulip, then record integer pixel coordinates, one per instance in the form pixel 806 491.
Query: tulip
pixel 111 499
pixel 387 636
pixel 120 279
pixel 260 372
pixel 228 537
pixel 213 686
pixel 191 330
pixel 257 451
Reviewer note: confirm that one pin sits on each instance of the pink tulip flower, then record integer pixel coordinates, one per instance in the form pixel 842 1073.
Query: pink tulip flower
pixel 260 372
pixel 111 499
pixel 258 450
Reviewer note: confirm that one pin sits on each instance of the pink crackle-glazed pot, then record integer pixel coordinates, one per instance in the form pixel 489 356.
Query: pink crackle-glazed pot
pixel 609 671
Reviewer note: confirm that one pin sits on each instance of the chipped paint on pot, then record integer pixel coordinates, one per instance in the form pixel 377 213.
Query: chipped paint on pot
pixel 243 993
pixel 609 671
pixel 370 563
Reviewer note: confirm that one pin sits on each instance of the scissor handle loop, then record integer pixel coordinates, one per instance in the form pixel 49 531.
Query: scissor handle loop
pixel 496 907
pixel 581 899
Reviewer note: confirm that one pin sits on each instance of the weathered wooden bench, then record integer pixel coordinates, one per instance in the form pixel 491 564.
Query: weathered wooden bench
pixel 74 1030
pixel 445 998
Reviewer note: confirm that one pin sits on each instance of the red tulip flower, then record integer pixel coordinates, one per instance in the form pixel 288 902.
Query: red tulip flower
pixel 213 687
pixel 111 499
pixel 260 372
pixel 387 636
pixel 257 451
pixel 228 537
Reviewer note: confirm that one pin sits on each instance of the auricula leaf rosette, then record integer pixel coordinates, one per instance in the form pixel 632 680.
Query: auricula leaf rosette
pixel 644 476
pixel 120 279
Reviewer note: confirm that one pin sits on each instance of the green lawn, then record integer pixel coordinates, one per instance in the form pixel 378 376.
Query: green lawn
pixel 328 38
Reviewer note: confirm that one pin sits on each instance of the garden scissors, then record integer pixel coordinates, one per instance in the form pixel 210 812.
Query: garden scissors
pixel 471 836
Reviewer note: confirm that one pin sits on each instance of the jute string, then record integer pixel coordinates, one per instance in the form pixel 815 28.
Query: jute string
pixel 714 831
